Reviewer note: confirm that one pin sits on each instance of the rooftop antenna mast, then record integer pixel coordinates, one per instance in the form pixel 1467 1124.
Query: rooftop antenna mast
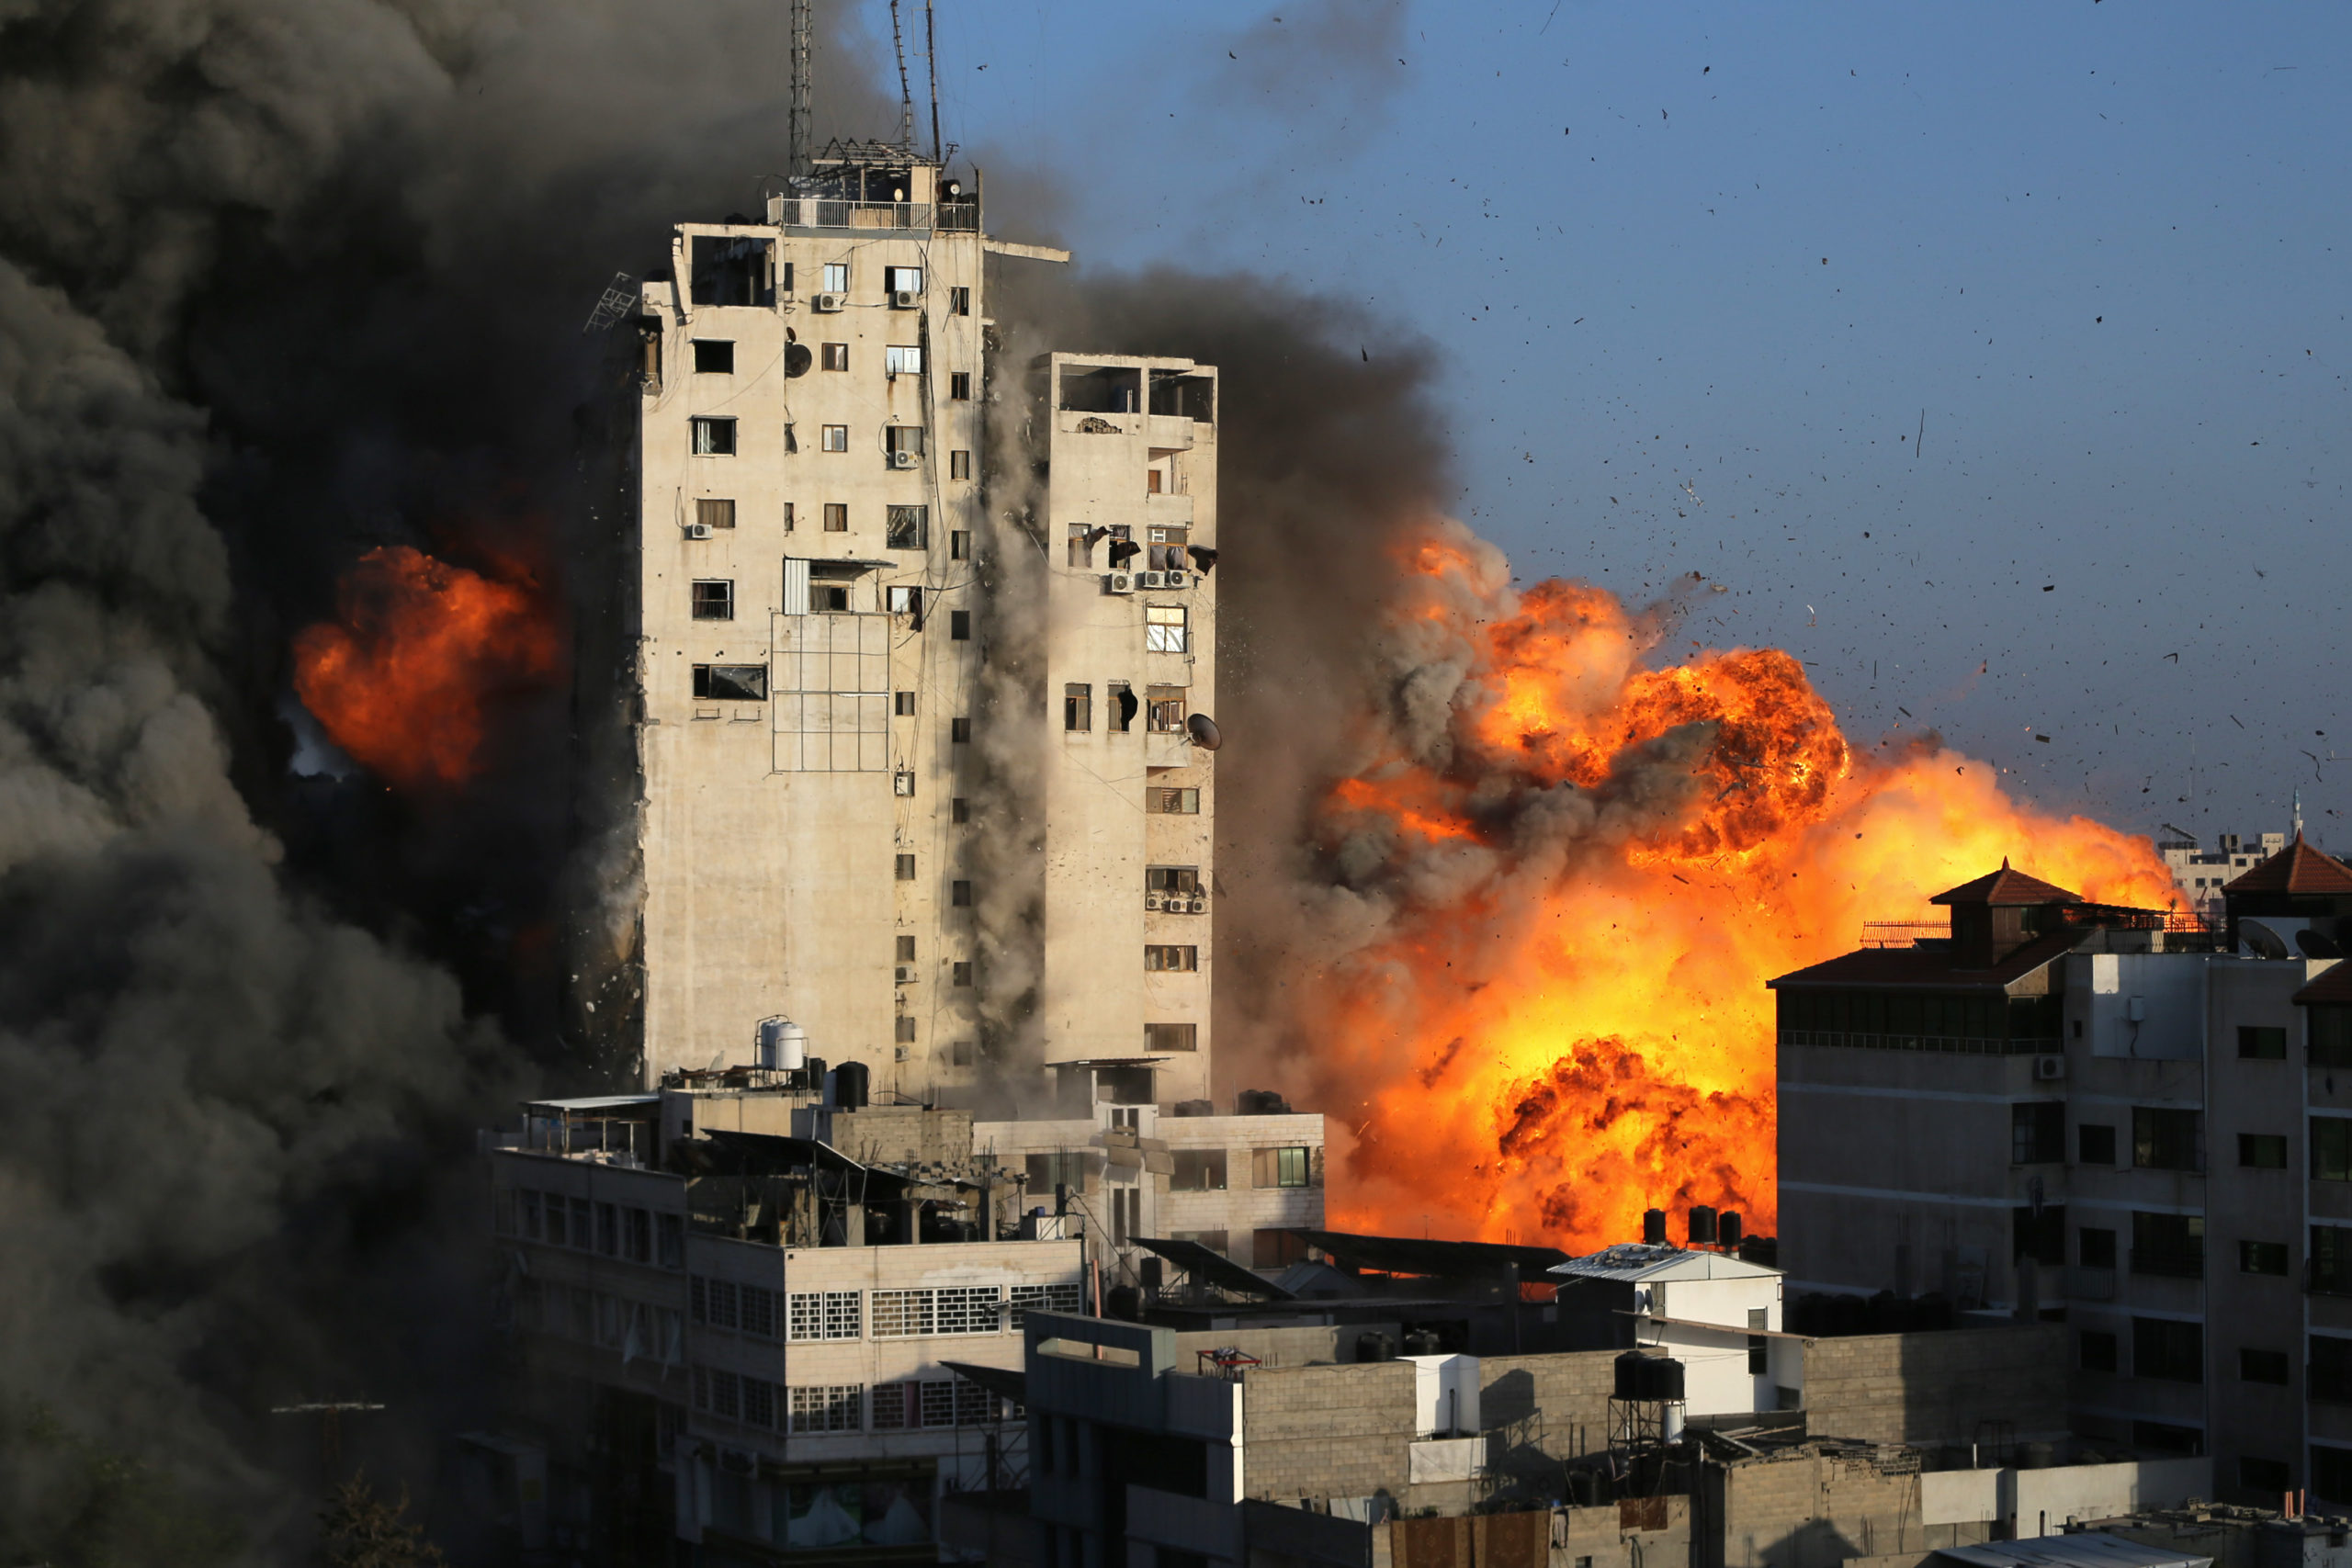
pixel 931 57
pixel 906 92
pixel 801 162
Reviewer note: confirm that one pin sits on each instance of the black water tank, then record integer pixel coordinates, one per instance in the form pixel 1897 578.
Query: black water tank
pixel 1422 1342
pixel 1122 1301
pixel 1633 1379
pixel 1375 1346
pixel 1703 1225
pixel 1148 1272
pixel 1665 1378
pixel 1654 1227
pixel 1727 1232
pixel 1061 1197
pixel 1584 1488
pixel 850 1087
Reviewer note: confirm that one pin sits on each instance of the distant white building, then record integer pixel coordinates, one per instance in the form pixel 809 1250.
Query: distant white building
pixel 2199 873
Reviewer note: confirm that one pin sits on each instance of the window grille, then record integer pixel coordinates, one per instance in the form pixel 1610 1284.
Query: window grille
pixel 832 1407
pixel 758 1308
pixel 901 1315
pixel 972 1309
pixel 1023 1298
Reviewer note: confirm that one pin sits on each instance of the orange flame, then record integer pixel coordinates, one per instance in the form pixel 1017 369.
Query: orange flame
pixel 1561 1005
pixel 400 681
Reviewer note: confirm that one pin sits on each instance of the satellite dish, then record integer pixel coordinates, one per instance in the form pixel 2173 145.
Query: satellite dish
pixel 2318 945
pixel 2264 941
pixel 1204 732
pixel 796 359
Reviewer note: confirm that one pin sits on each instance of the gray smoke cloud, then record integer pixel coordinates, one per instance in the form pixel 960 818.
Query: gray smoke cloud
pixel 281 281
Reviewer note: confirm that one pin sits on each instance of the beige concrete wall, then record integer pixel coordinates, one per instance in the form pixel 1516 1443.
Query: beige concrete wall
pixel 1337 1431
pixel 768 890
pixel 1935 1388
pixel 1803 1509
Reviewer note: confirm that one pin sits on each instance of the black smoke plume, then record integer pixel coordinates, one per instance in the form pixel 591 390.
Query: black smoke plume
pixel 282 281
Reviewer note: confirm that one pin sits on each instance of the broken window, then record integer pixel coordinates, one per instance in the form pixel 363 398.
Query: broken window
pixel 714 513
pixel 837 278
pixel 1161 958
pixel 963 1054
pixel 909 528
pixel 1172 802
pixel 906 438
pixel 908 601
pixel 1165 549
pixel 731 269
pixel 714 356
pixel 714 601
pixel 835 438
pixel 1161 1037
pixel 1078 706
pixel 829 598
pixel 959 465
pixel 714 437
pixel 1184 394
pixel 959 625
pixel 1163 628
pixel 959 730
pixel 837 517
pixel 905 950
pixel 1183 879
pixel 1100 388
pixel 960 974
pixel 1081 547
pixel 959 894
pixel 731 682
pixel 1198 1170
pixel 959 386
pixel 832 355
pixel 1122 703
pixel 906 868
pixel 959 544
pixel 787 517
pixel 1167 710
pixel 1123 549
pixel 902 279
pixel 959 302
pixel 902 359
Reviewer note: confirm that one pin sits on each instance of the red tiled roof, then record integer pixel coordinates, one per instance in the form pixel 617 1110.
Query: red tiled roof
pixel 2007 887
pixel 2298 868
pixel 1932 969
pixel 2335 986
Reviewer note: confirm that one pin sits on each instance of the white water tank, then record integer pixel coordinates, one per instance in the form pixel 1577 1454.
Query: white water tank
pixel 783 1045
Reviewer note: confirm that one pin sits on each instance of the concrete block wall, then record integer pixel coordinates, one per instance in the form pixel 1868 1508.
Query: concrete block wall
pixel 1337 1431
pixel 1555 1405
pixel 1803 1509
pixel 1934 1388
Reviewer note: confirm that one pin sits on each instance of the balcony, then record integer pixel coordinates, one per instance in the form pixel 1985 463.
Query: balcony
pixel 2170 1262
pixel 1957 1044
pixel 2086 1282
pixel 2324 1279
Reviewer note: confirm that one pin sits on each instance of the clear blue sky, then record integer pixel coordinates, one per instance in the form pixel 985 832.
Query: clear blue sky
pixel 2102 245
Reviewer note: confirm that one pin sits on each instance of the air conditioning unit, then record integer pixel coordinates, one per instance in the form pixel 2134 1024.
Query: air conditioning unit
pixel 905 459
pixel 697 530
pixel 826 303
pixel 1200 906
pixel 1152 900
pixel 905 300
pixel 906 974
pixel 1177 579
pixel 1151 580
pixel 2049 1069
pixel 1119 582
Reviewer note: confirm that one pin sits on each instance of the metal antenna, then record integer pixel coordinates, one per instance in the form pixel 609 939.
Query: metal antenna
pixel 906 93
pixel 799 162
pixel 931 57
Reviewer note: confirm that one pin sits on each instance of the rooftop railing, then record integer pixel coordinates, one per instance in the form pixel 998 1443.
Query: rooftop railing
pixel 829 212
pixel 1954 1044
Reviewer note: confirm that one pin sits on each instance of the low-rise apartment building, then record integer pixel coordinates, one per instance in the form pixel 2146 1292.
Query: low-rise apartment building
pixel 2117 1120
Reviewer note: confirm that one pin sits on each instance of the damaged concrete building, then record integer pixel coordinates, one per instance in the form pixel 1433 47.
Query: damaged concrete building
pixel 761 1305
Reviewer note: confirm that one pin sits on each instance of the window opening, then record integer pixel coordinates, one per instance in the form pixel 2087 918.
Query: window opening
pixel 835 438
pixel 731 269
pixel 1105 388
pixel 1163 628
pixel 1162 959
pixel 902 279
pixel 837 278
pixel 714 437
pixel 906 438
pixel 959 300
pixel 900 359
pixel 910 527
pixel 1078 706
pixel 832 355
pixel 959 465
pixel 959 386
pixel 1166 715
pixel 1123 705
pixel 959 544
pixel 714 356
pixel 1172 802
pixel 713 513
pixel 731 682
pixel 837 517
pixel 714 601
